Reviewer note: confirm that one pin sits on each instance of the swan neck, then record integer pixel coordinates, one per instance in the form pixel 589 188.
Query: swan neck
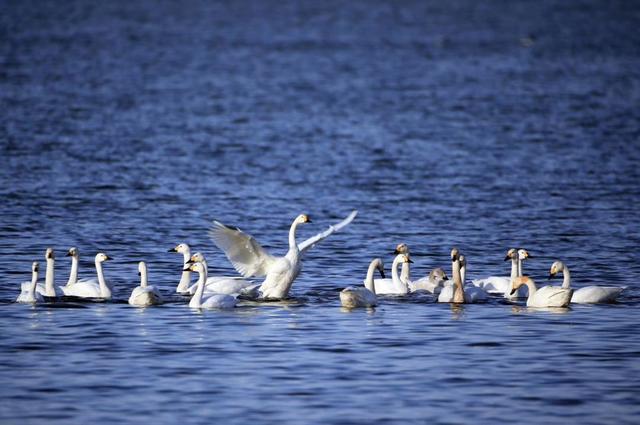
pixel 394 273
pixel 458 291
pixel 185 278
pixel 34 283
pixel 143 277
pixel 105 292
pixel 532 287
pixel 405 274
pixel 463 274
pixel 515 268
pixel 293 246
pixel 49 278
pixel 566 278
pixel 73 275
pixel 196 300
pixel 369 282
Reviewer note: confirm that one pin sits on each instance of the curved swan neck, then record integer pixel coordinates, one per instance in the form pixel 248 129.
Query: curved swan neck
pixel 405 274
pixel 185 278
pixel 73 275
pixel 368 282
pixel 458 291
pixel 394 272
pixel 34 283
pixel 143 277
pixel 293 246
pixel 532 287
pixel 196 300
pixel 105 292
pixel 566 277
pixel 49 278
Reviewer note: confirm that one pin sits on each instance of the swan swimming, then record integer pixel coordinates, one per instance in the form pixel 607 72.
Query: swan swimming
pixel 209 300
pixel 185 278
pixel 587 294
pixel 457 293
pixel 223 284
pixel 74 253
pixel 405 273
pixel 431 283
pixel 547 296
pixel 393 286
pixel 28 293
pixel 252 260
pixel 48 289
pixel 363 296
pixel 91 288
pixel 144 295
pixel 503 285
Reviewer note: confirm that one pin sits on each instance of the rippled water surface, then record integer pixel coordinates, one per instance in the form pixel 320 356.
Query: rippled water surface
pixel 128 126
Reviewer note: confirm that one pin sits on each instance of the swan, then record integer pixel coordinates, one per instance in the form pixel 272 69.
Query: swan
pixel 588 294
pixel 432 283
pixel 185 279
pixel 47 289
pixel 144 295
pixel 73 274
pixel 91 288
pixel 503 285
pixel 393 286
pixel 547 296
pixel 251 259
pixel 28 293
pixel 457 293
pixel 222 284
pixel 202 300
pixel 363 296
pixel 405 273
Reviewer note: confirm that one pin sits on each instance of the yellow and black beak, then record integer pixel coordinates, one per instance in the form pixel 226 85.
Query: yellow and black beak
pixel 68 254
pixel 172 250
pixel 106 257
pixel 513 291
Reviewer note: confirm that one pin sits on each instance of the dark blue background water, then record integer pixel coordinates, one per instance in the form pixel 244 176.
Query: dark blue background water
pixel 128 126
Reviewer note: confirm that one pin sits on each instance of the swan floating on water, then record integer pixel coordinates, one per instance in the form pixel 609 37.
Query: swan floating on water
pixel 457 293
pixel 185 278
pixel 547 296
pixel 208 300
pixel 223 284
pixel 250 259
pixel 91 288
pixel 28 293
pixel 504 285
pixel 363 296
pixel 47 289
pixel 145 294
pixel 393 286
pixel 431 283
pixel 587 294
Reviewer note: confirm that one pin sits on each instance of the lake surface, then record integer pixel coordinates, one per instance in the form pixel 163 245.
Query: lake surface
pixel 127 127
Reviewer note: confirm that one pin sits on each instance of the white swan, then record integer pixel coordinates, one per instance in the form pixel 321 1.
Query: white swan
pixel 144 295
pixel 405 273
pixel 457 293
pixel 73 274
pixel 503 285
pixel 588 294
pixel 393 286
pixel 432 283
pixel 223 284
pixel 48 289
pixel 185 279
pixel 202 300
pixel 251 259
pixel 91 288
pixel 547 296
pixel 363 296
pixel 28 293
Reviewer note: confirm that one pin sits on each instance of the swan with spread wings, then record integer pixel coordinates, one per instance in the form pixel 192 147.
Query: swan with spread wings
pixel 250 259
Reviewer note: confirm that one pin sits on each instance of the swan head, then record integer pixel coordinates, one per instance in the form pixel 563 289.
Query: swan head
pixel 455 254
pixel 73 252
pixel 463 260
pixel 438 274
pixel 49 254
pixel 142 267
pixel 379 266
pixel 523 254
pixel 35 267
pixel 101 257
pixel 402 248
pixel 519 282
pixel 197 258
pixel 181 248
pixel 303 218
pixel 556 268
pixel 511 254
pixel 404 258
pixel 195 267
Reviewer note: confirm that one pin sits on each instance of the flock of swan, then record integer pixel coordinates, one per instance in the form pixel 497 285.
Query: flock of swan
pixel 251 260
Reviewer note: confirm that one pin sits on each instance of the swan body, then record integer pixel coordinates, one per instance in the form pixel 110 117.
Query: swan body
pixel 202 300
pixel 91 288
pixel 221 284
pixel 503 285
pixel 458 293
pixel 432 283
pixel 185 278
pixel 363 296
pixel 145 294
pixel 393 286
pixel 73 274
pixel 588 294
pixel 250 259
pixel 28 293
pixel 547 296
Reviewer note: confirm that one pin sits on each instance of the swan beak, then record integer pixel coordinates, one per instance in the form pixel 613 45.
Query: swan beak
pixel 513 291
pixel 409 260
pixel 529 256
pixel 139 274
pixel 382 274
pixel 396 252
pixel 190 262
pixel 308 220
pixel 106 257
pixel 551 275
pixel 68 254
pixel 507 258
pixel 188 269
pixel 172 250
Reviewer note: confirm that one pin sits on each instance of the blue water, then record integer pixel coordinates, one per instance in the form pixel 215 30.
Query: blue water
pixel 126 127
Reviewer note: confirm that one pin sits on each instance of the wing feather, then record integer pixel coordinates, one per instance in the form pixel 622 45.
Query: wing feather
pixel 309 243
pixel 245 253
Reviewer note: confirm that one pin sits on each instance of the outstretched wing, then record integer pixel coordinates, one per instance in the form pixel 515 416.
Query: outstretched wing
pixel 244 252
pixel 309 243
